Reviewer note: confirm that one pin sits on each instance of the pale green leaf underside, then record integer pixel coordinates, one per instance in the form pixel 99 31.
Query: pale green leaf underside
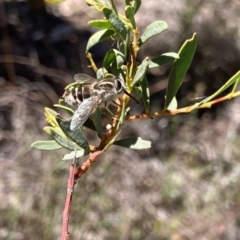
pixel 46 145
pixel 71 155
pixel 152 30
pixel 133 143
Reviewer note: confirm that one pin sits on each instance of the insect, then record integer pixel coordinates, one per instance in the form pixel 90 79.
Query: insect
pixel 89 93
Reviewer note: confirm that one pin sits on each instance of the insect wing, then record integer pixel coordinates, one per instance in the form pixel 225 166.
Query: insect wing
pixel 85 109
pixel 84 79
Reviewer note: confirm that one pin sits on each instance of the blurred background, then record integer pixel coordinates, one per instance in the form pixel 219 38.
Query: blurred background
pixel 185 187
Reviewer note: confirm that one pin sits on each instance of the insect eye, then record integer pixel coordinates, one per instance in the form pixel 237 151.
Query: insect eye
pixel 118 85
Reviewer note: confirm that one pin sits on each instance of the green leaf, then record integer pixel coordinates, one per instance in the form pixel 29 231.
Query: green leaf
pixel 109 58
pixel 137 92
pixel 98 122
pixel 113 55
pixel 133 143
pixel 129 12
pixel 113 6
pixel 116 22
pixel 71 155
pixel 98 37
pixel 140 71
pixel 120 58
pixel 180 67
pixel 104 24
pixel 46 145
pixel 64 142
pixel 77 136
pixel 162 59
pixel 145 93
pixel 58 130
pixel 152 30
pixel 135 4
pixel 67 109
pixel 111 141
pixel 96 4
pixel 51 117
pixel 230 82
pixel 50 112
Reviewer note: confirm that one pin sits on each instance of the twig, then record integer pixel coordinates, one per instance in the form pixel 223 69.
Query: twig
pixel 70 188
pixel 184 109
pixel 86 165
pixel 71 182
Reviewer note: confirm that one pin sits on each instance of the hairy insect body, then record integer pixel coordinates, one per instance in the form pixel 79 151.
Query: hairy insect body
pixel 108 92
pixel 88 94
pixel 75 95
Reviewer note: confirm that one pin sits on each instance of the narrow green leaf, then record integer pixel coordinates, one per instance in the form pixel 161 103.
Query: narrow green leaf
pixel 51 112
pixel 236 84
pixel 112 141
pixel 71 155
pixel 104 24
pixel 122 117
pixel 162 59
pixel 77 136
pixel 142 68
pixel 67 109
pixel 113 55
pixel 96 4
pixel 98 122
pixel 136 5
pixel 145 93
pixel 180 67
pixel 133 143
pixel 137 92
pixel 58 130
pixel 120 58
pixel 98 37
pixel 64 141
pixel 230 82
pixel 152 30
pixel 46 145
pixel 48 129
pixel 51 117
pixel 116 22
pixel 113 6
pixel 114 69
pixel 129 12
pixel 109 58
pixel 71 85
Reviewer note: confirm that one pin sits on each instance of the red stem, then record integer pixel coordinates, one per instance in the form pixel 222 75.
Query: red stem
pixel 66 211
pixel 70 187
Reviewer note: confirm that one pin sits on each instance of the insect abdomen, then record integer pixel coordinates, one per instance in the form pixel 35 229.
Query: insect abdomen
pixel 83 93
